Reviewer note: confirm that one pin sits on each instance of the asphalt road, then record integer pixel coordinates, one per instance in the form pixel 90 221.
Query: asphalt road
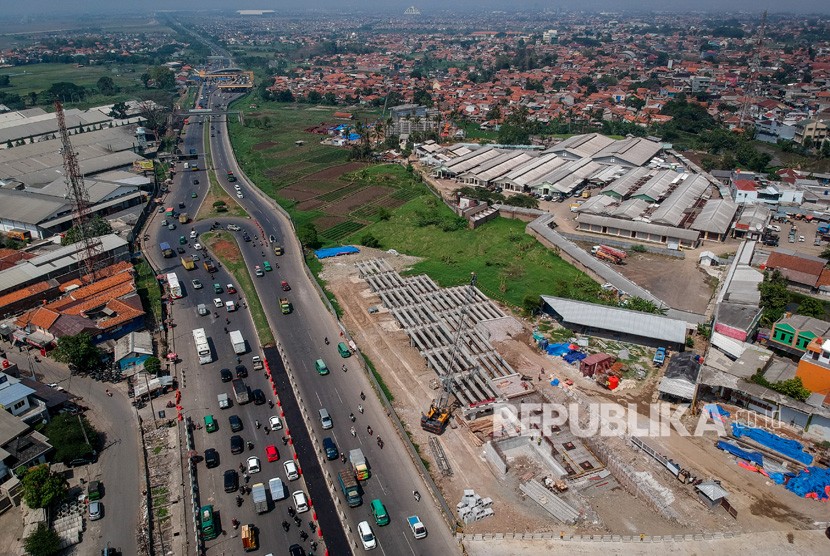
pixel 116 419
pixel 302 333
pixel 201 384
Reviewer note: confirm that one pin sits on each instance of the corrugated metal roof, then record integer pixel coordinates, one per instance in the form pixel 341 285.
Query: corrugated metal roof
pixel 671 211
pixel 501 165
pixel 13 393
pixel 582 146
pixel 634 150
pixel 630 209
pixel 597 205
pixel 620 320
pixel 638 226
pixel 716 216
pixel 657 187
pixel 622 187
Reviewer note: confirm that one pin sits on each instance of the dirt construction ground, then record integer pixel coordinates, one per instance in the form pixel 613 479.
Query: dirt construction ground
pixel 612 510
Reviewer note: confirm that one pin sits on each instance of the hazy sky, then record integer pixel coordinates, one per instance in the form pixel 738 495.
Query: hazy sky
pixel 40 7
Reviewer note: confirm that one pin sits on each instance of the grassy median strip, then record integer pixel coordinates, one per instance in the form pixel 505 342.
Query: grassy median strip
pixel 224 247
pixel 148 290
pixel 217 202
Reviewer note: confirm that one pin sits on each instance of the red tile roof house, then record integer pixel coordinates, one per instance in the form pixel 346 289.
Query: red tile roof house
pixel 802 271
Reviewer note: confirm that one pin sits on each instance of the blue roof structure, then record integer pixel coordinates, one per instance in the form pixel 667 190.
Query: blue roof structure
pixel 14 393
pixel 336 251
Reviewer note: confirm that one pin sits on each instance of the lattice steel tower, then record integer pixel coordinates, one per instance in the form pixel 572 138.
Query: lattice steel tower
pixel 91 246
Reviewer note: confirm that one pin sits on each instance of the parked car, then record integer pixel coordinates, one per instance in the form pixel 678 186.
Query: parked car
pixel 226 375
pixel 236 423
pixel 211 458
pixel 241 371
pixel 237 444
pixel 197 285
pixel 96 510
pixel 231 478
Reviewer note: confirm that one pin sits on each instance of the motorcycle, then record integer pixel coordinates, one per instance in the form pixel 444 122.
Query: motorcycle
pixel 351 417
pixel 326 340
pixel 360 408
pixel 380 442
pixel 291 512
pixel 250 445
pixel 417 495
pixel 298 521
pixel 369 430
pixel 362 396
pixel 285 526
pixel 343 458
pixel 238 501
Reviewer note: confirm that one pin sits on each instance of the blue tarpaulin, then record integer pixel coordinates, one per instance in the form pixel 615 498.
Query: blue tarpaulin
pixel 558 349
pixel 755 457
pixel 811 480
pixel 790 448
pixel 336 251
pixel 574 356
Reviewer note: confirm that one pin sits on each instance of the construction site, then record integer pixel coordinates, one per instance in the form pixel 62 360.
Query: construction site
pixel 458 365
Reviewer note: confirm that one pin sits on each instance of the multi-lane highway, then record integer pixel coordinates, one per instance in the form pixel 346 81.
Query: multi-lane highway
pixel 302 336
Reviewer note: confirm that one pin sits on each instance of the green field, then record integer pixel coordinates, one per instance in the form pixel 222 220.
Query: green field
pixel 39 77
pixel 509 263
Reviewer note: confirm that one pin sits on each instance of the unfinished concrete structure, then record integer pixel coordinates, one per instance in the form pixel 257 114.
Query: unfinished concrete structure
pixel 431 317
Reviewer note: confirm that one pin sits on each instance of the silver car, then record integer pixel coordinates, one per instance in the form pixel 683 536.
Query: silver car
pixel 96 510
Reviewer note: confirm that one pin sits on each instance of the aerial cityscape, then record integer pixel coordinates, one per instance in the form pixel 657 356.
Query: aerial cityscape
pixel 434 278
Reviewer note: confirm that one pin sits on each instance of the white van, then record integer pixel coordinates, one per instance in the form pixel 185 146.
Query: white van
pixel 325 419
pixel 277 488
pixel 230 306
pixel 186 165
pixel 201 309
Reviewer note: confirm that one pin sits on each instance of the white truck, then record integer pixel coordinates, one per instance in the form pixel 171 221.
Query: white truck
pixel 277 488
pixel 259 498
pixel 238 342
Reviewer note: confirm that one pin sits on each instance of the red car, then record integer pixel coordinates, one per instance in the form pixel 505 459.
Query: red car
pixel 230 288
pixel 271 453
pixel 285 286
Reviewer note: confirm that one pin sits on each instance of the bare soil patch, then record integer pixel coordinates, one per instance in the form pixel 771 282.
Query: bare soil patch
pixel 678 282
pixel 264 145
pixel 226 250
pixel 334 172
pixel 325 222
pixel 296 194
pixel 310 204
pixel 358 199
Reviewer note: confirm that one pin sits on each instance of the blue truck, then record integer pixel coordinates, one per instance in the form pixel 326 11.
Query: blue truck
pixel 659 357
pixel 166 250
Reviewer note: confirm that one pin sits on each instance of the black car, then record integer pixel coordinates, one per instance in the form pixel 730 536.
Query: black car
pixel 231 480
pixel 181 205
pixel 236 423
pixel 226 375
pixel 296 550
pixel 241 371
pixel 84 460
pixel 211 458
pixel 237 444
pixel 258 396
pixel 246 237
pixel 180 250
pixel 195 182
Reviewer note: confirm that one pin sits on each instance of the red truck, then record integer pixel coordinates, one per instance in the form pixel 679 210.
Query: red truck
pixel 609 254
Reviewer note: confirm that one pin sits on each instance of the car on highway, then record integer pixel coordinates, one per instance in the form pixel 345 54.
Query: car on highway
pixel 171 226
pixel 291 471
pixel 241 371
pixel 330 448
pixel 237 187
pixel 325 418
pixel 217 288
pixel 253 465
pixel 163 222
pixel 417 527
pixel 96 510
pixel 233 227
pixel 193 234
pixel 274 422
pixel 180 250
pixel 271 453
pixel 300 501
pixel 195 258
pixel 296 550
pixel 197 246
pixel 230 289
pixel 193 195
pixel 245 236
pixel 195 182
pixel 226 375
pixel 181 205
pixel 258 271
pixel 237 444
pixel 272 239
pixel 197 285
pixel 285 287
pixel 267 266
pixel 367 537
pixel 211 458
pixel 231 479
pixel 236 423
pixel 218 303
pixel 258 396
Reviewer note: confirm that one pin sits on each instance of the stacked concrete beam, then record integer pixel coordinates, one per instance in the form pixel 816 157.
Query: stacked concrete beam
pixel 473 507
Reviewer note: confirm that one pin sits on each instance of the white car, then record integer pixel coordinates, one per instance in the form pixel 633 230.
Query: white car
pixel 291 471
pixel 367 537
pixel 233 227
pixel 197 285
pixel 253 465
pixel 193 234
pixel 197 246
pixel 218 303
pixel 274 422
pixel 240 195
pixel 237 187
pixel 300 501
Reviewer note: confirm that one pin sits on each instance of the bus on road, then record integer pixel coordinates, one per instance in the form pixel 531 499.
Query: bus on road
pixel 202 346
pixel 208 527
pixel 174 286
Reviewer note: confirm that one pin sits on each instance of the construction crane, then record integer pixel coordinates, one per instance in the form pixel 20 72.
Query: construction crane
pixel 76 191
pixel 438 415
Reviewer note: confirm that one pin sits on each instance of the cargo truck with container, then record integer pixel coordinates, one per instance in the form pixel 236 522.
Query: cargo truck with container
pixel 359 464
pixel 166 251
pixel 209 266
pixel 183 218
pixel 259 498
pixel 187 263
pixel 238 342
pixel 350 488
pixel 249 540
pixel 240 391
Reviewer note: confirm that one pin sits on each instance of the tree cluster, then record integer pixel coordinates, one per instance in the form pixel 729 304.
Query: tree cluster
pixel 95 227
pixel 69 435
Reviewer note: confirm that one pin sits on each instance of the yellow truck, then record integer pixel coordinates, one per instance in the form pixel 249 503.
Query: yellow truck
pixel 249 540
pixel 285 305
pixel 187 263
pixel 183 218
